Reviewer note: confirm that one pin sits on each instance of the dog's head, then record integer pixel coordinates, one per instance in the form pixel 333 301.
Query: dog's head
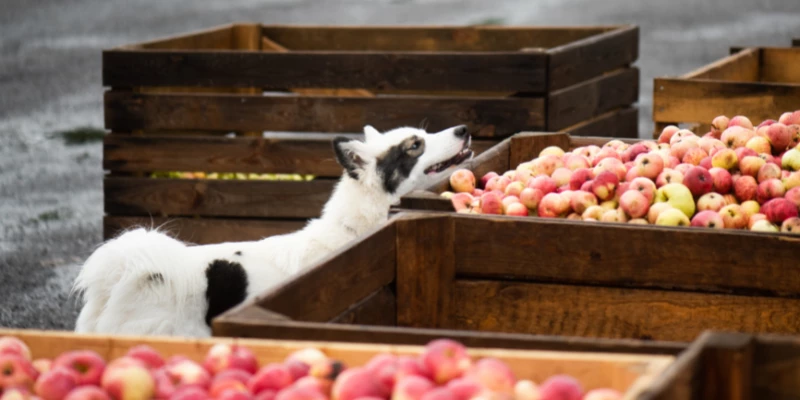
pixel 399 160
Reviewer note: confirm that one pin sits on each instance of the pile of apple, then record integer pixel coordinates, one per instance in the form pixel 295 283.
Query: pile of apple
pixel 231 176
pixel 444 371
pixel 737 176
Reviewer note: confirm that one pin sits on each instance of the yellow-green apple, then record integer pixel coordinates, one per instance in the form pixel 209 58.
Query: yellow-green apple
pixel 509 175
pixel 17 371
pixel 616 215
pixel 562 176
pixel 759 144
pixel 554 205
pixel 514 188
pixel 725 158
pixel 708 219
pixel 718 125
pixel 769 189
pixel 462 180
pixel 672 217
pixel 87 365
pixel 611 165
pixel 522 175
pixel 710 202
pixel 575 161
pixel 634 203
pixel 740 120
pixel 668 175
pixel 764 226
pixel 750 165
pixel 649 165
pixel 667 133
pixel 698 180
pixel 791 160
pixel 678 196
pixel 579 177
pixel 544 183
pixel 575 216
pixel 750 207
pixel 768 171
pixel 604 185
pixel 754 218
pixel 644 186
pixel 611 204
pixel 655 210
pixel 733 216
pixel 791 225
pixel 745 188
pixel 694 156
pixel 580 201
pixel 593 212
pixel 791 181
pixel 779 136
pixel 551 150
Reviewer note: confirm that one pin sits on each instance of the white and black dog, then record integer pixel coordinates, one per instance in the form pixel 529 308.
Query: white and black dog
pixel 147 283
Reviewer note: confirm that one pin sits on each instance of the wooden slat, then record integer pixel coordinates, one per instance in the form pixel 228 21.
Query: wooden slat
pixel 219 198
pixel 592 98
pixel 679 100
pixel 742 66
pixel 339 281
pixel 584 59
pixel 425 271
pixel 775 365
pixel 621 123
pixel 379 308
pixel 426 38
pixel 498 71
pixel 628 255
pixel 216 38
pixel 127 111
pixel 780 65
pixel 204 230
pixel 613 312
pixel 233 324
pixel 298 153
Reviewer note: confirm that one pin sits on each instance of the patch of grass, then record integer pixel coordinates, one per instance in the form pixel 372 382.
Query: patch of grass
pixel 490 21
pixel 81 135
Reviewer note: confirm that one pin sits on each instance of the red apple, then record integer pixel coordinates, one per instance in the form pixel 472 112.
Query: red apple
pixel 634 150
pixel 561 387
pixel 554 205
pixel 708 219
pixel 699 181
pixel 611 165
pixel 606 152
pixel 448 359
pixel 411 388
pixel 190 393
pixel 791 225
pixel 486 177
pixel 604 185
pixel 769 189
pixel 491 203
pixel 667 176
pixel 87 393
pixel 87 365
pixel 514 188
pixel 667 133
pixel 779 210
pixel 12 345
pixel 576 161
pixel 516 209
pixel 272 376
pixel 146 354
pixel 493 374
pixel 17 371
pixel 129 378
pixel 741 121
pixel 721 179
pixel 634 203
pixel 544 183
pixel 581 200
pixel 56 383
pixel 302 393
pixel 223 356
pixel 745 188
pixel 718 125
pixel 733 216
pixel 750 165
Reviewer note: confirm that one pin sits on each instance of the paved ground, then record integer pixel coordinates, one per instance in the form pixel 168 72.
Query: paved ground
pixel 50 192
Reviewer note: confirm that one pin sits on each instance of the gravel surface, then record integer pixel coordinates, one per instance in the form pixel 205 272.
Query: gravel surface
pixel 51 191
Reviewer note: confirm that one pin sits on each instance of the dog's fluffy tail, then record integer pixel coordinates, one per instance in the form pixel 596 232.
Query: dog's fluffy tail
pixel 129 281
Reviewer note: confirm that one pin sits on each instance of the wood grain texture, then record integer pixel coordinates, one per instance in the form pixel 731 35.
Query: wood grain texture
pixel 379 308
pixel 239 323
pixel 619 123
pixel 496 71
pixel 591 98
pixel 624 255
pixel 427 38
pixel 218 198
pixel 742 66
pixel 336 283
pixel 775 366
pixel 425 271
pixel 780 65
pixel 296 154
pixel 204 230
pixel 678 100
pixel 613 312
pixel 486 117
pixel 587 58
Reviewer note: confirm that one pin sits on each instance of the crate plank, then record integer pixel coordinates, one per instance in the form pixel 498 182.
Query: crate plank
pixel 425 271
pixel 125 111
pixel 204 230
pixel 379 308
pixel 614 312
pixel 780 65
pixel 333 285
pixel 591 98
pixel 775 366
pixel 742 66
pixel 701 101
pixel 220 198
pixel 624 255
pixel 584 59
pixel 217 38
pixel 418 38
pixel 498 71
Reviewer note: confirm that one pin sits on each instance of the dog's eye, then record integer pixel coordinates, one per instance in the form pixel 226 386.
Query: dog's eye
pixel 415 145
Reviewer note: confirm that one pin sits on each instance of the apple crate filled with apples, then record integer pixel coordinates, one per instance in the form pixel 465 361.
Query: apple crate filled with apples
pixel 55 366
pixel 219 132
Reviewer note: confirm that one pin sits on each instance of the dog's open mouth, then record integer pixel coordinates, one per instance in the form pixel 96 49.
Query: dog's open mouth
pixel 462 156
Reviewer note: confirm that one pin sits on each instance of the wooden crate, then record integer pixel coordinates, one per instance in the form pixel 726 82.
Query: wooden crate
pixel 759 83
pixel 537 276
pixel 724 365
pixel 281 91
pixel 627 373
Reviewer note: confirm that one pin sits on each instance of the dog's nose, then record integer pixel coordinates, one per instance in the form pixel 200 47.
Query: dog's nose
pixel 460 131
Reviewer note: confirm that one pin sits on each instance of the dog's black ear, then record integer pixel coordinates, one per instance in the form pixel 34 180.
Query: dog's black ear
pixel 351 154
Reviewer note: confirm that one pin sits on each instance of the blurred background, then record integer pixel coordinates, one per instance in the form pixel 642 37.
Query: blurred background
pixel 51 202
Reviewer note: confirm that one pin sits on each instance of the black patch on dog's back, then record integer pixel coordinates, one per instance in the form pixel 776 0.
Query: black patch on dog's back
pixel 395 165
pixel 238 253
pixel 227 287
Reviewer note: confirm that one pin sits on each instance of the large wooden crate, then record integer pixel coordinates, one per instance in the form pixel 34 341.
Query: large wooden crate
pixel 627 373
pixel 759 83
pixel 732 366
pixel 538 276
pixel 281 91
